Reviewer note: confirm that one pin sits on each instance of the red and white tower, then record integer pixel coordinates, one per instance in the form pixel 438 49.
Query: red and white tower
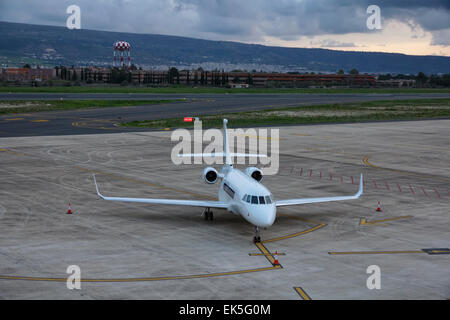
pixel 122 50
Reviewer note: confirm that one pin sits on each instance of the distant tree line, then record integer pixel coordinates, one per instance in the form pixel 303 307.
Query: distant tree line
pixel 422 80
pixel 69 75
pixel 124 76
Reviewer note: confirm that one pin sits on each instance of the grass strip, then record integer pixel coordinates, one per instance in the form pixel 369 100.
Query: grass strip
pixel 211 90
pixel 24 106
pixel 329 113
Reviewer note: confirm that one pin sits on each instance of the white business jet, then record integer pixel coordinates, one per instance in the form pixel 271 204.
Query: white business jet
pixel 240 192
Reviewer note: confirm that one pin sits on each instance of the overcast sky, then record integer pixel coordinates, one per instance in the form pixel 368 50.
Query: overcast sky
pixel 408 26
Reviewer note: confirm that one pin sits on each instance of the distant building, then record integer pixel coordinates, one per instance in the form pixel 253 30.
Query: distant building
pixel 306 80
pixel 41 74
pixel 15 74
pixel 197 78
pixel 26 74
pixel 256 79
pixel 396 83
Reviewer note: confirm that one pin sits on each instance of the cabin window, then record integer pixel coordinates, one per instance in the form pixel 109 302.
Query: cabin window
pixel 257 199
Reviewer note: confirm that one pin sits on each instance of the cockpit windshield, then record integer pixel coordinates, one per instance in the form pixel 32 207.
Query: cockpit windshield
pixel 268 199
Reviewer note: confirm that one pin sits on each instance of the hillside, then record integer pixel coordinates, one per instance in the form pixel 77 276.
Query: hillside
pixel 58 45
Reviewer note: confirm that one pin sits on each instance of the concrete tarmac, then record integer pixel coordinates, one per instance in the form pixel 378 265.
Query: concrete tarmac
pixel 138 251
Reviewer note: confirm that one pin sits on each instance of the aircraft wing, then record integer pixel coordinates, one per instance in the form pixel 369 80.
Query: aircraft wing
pixel 292 202
pixel 192 203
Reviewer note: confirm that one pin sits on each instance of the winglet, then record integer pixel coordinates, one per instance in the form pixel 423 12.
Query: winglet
pixel 96 187
pixel 361 183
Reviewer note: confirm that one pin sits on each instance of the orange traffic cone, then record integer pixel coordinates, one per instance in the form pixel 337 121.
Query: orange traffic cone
pixel 379 207
pixel 70 209
pixel 275 259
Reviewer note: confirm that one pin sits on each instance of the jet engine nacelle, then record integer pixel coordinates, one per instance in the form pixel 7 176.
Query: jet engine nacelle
pixel 210 175
pixel 255 173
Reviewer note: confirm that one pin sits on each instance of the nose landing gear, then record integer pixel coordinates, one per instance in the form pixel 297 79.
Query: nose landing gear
pixel 256 238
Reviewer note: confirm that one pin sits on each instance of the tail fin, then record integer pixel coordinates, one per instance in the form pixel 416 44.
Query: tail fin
pixel 226 147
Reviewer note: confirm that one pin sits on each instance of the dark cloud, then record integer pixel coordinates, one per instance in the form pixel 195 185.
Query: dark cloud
pixel 441 37
pixel 249 20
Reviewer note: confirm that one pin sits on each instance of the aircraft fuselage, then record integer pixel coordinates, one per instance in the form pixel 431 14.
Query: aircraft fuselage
pixel 247 197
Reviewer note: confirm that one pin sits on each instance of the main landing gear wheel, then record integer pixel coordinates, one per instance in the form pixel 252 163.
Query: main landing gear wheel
pixel 208 214
pixel 256 238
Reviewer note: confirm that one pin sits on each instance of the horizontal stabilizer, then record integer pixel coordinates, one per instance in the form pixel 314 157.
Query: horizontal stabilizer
pixel 221 154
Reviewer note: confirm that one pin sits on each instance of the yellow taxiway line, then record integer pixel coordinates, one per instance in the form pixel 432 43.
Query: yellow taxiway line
pixel 374 252
pixel 363 221
pixel 440 251
pixel 302 293
pixel 265 254
pixel 11 152
pixel 40 120
pixel 13 119
pixel 295 234
pixel 195 276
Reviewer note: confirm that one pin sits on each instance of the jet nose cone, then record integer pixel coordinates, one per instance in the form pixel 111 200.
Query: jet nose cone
pixel 266 217
pixel 272 215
